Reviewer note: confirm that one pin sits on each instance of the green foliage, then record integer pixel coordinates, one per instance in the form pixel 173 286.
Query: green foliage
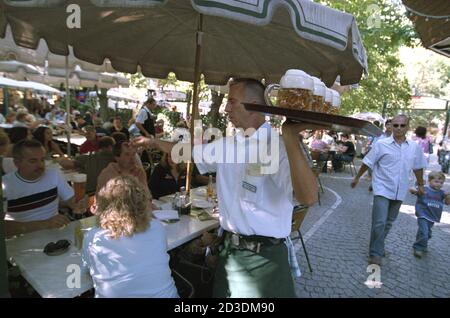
pixel 220 121
pixel 173 117
pixel 382 42
pixel 136 80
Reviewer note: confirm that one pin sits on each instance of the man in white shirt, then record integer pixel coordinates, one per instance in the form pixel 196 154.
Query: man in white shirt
pixel 33 193
pixel 255 208
pixel 145 119
pixel 391 161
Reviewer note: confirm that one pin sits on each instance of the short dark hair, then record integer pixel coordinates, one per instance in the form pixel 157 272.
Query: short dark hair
pixel 119 136
pixel 388 121
pixel 106 142
pixel 150 100
pixel 117 149
pixel 17 134
pixel 253 88
pixel 421 132
pixel 18 148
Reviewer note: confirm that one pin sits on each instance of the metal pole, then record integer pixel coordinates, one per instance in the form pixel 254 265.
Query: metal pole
pixel 194 112
pixel 5 100
pixel 4 289
pixel 68 125
pixel 447 115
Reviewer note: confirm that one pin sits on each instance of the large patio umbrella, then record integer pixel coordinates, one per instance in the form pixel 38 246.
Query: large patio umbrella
pixel 218 38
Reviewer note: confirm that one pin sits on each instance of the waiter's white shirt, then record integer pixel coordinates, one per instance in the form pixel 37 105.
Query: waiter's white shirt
pixel 250 204
pixel 391 166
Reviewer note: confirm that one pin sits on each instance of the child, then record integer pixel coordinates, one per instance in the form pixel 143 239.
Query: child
pixel 127 252
pixel 429 209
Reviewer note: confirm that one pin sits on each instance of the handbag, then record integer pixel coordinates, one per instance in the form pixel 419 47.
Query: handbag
pixel 430 147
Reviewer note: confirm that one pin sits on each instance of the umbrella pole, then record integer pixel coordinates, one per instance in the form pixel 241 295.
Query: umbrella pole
pixel 194 109
pixel 68 126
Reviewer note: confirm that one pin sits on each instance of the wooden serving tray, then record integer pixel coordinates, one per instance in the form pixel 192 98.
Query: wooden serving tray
pixel 338 123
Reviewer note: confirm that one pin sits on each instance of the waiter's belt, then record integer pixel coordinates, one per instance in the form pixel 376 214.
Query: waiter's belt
pixel 251 242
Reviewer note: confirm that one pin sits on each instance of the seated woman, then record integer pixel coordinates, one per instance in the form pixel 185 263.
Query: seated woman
pixel 17 134
pixel 167 177
pixel 44 135
pixel 126 253
pixel 7 164
pixel 319 149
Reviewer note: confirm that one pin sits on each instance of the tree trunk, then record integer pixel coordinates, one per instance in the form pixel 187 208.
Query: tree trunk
pixel 103 101
pixel 217 99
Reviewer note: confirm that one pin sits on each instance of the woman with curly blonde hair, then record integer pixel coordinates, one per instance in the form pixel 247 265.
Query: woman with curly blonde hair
pixel 126 253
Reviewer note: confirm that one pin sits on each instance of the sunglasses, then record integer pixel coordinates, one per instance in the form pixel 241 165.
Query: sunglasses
pixel 399 125
pixel 58 248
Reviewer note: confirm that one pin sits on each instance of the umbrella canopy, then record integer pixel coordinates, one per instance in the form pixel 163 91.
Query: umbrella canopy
pixel 41 56
pixel 248 39
pixel 432 22
pixel 56 76
pixel 28 85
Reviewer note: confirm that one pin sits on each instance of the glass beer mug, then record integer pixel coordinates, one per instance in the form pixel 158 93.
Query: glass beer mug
pixel 294 91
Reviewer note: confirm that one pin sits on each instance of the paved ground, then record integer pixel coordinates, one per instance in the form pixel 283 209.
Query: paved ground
pixel 337 237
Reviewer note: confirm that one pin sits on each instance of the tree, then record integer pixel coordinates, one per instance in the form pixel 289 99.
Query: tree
pixel 383 29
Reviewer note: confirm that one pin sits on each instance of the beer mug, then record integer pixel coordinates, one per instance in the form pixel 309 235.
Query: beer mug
pixel 294 91
pixel 79 185
pixel 328 104
pixel 319 93
pixel 336 103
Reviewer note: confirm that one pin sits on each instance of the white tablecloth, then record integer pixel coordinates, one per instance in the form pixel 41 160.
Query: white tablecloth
pixel 53 276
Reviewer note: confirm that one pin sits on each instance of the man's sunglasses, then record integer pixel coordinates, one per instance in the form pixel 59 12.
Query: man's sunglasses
pixel 399 125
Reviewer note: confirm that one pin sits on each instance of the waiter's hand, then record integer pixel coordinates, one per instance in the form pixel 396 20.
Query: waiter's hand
pixel 293 128
pixel 143 142
pixel 354 182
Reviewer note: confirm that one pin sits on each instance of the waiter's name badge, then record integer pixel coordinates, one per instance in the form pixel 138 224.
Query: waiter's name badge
pixel 249 187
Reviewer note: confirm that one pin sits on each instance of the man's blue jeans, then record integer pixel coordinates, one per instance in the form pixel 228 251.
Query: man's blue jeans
pixel 423 234
pixel 384 213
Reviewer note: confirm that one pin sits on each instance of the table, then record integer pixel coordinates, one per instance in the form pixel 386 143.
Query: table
pixel 51 276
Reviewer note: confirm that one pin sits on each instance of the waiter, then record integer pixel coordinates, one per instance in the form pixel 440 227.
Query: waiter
pixel 255 208
pixel 145 119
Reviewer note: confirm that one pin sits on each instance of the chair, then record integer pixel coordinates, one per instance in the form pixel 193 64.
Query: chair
pixel 298 215
pixel 317 169
pixel 351 166
pixel 187 282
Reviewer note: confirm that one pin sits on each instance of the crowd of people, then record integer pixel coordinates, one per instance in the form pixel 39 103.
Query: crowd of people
pixel 255 209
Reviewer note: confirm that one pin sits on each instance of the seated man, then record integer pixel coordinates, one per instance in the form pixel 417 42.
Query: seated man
pixel 92 165
pixel 91 143
pixel 345 153
pixel 33 192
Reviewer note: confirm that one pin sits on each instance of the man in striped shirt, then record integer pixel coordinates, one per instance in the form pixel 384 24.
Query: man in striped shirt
pixel 391 161
pixel 33 192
